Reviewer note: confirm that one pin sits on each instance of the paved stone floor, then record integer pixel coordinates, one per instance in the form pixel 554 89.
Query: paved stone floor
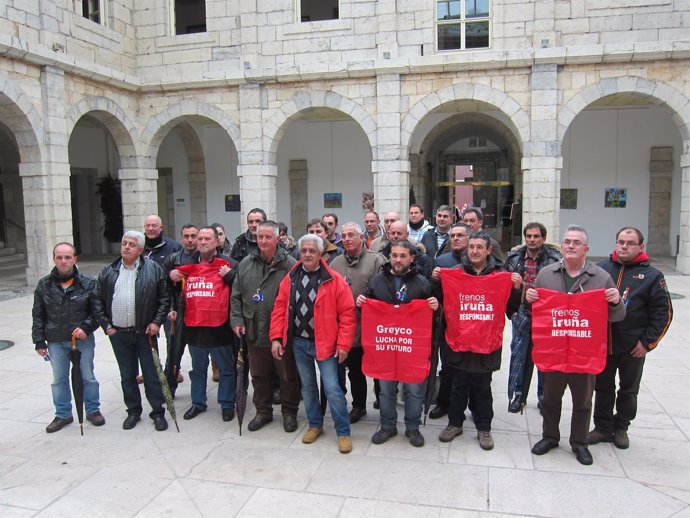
pixel 209 470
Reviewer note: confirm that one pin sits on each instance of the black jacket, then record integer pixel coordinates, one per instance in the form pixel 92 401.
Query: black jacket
pixel 648 310
pixel 430 242
pixel 159 252
pixel 152 298
pixel 171 262
pixel 57 312
pixel 382 286
pixel 477 362
pixel 423 262
pixel 243 247
pixel 515 261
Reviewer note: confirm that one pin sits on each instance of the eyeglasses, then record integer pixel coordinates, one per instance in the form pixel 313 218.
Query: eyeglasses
pixel 627 243
pixel 575 243
pixel 389 220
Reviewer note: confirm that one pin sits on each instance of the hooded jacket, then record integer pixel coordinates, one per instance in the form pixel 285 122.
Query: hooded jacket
pixel 648 308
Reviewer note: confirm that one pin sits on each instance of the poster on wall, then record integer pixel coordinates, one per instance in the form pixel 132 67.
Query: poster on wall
pixel 569 199
pixel 232 203
pixel 615 198
pixel 367 201
pixel 333 200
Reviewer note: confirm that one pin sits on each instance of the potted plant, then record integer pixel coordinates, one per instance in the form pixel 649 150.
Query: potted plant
pixel 110 194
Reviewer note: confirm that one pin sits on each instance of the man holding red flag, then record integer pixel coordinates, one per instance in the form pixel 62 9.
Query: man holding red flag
pixel 648 313
pixel 400 283
pixel 207 319
pixel 571 275
pixel 475 321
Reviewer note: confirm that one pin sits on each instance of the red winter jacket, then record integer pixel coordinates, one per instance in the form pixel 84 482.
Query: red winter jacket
pixel 334 312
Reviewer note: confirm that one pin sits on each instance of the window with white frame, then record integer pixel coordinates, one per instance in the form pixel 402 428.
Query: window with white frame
pixel 94 10
pixel 188 16
pixel 463 24
pixel 316 10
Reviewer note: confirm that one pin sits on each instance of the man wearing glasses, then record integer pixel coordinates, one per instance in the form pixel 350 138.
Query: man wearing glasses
pixel 647 317
pixel 572 275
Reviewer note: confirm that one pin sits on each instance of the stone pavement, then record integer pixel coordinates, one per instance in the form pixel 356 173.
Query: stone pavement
pixel 209 470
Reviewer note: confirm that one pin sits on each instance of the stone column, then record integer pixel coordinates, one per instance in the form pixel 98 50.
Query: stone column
pixel 46 188
pixel 197 196
pixel 683 257
pixel 299 196
pixel 391 173
pixel 256 170
pixel 542 161
pixel 139 196
pixel 660 184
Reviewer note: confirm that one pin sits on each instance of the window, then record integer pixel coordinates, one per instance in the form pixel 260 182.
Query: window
pixel 315 10
pixel 94 10
pixel 462 24
pixel 189 16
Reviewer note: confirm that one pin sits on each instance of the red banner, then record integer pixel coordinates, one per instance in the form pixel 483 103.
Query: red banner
pixel 475 307
pixel 396 340
pixel 570 331
pixel 206 295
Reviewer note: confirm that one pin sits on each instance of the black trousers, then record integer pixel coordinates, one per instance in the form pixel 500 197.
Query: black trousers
pixel 581 389
pixel 629 371
pixel 475 387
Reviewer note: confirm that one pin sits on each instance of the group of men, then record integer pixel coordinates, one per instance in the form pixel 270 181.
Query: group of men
pixel 297 304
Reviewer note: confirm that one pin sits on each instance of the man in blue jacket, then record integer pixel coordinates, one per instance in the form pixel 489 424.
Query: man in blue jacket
pixel 648 314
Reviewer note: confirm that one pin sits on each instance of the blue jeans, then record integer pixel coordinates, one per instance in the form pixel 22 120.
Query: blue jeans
pixel 131 350
pixel 225 360
pixel 413 404
pixel 305 355
pixel 59 360
pixel 521 366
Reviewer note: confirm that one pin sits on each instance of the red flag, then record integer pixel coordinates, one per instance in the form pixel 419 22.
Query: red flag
pixel 206 295
pixel 396 340
pixel 570 331
pixel 475 307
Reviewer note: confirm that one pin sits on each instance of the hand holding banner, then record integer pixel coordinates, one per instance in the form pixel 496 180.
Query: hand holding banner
pixel 569 331
pixel 396 340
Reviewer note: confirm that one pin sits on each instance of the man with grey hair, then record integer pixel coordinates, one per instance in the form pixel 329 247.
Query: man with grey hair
pixel 357 265
pixel 135 300
pixel 253 294
pixel 314 315
pixel 572 274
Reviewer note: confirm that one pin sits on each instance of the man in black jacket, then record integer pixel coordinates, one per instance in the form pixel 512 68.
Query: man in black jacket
pixel 157 245
pixel 64 308
pixel 399 283
pixel 526 260
pixel 133 292
pixel 436 238
pixel 245 243
pixel 648 314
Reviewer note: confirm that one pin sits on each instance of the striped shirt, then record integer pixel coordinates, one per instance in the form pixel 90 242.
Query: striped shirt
pixel 124 301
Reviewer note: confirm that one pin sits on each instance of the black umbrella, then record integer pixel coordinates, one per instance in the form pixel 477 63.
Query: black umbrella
pixel 77 382
pixel 242 381
pixel 167 394
pixel 176 345
pixel 430 388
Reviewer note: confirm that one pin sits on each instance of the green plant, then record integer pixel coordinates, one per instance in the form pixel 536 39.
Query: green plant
pixel 110 193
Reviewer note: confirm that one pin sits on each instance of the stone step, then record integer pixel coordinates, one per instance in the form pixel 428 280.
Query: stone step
pixel 15 260
pixel 7 251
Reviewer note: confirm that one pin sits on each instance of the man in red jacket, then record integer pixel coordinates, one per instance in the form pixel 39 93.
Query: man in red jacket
pixel 314 313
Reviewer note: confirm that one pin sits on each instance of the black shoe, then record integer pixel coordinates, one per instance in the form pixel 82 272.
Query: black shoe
pixel 544 446
pixel 383 435
pixel 289 423
pixel 59 423
pixel 376 405
pixel 276 396
pixel 131 421
pixel 356 414
pixel 228 414
pixel 516 405
pixel 259 422
pixel 193 412
pixel 438 412
pixel 415 437
pixel 621 440
pixel 583 456
pixel 160 423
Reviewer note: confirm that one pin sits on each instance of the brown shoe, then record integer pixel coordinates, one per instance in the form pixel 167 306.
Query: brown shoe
pixel 597 435
pixel 311 435
pixel 344 444
pixel 356 414
pixel 96 419
pixel 59 423
pixel 180 377
pixel 216 373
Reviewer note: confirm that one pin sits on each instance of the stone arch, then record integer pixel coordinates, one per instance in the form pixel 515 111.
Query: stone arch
pixel 500 100
pixel 658 93
pixel 22 119
pixel 114 118
pixel 277 125
pixel 159 125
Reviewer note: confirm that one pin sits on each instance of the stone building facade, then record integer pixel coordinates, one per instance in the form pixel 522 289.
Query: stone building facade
pixel 520 77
